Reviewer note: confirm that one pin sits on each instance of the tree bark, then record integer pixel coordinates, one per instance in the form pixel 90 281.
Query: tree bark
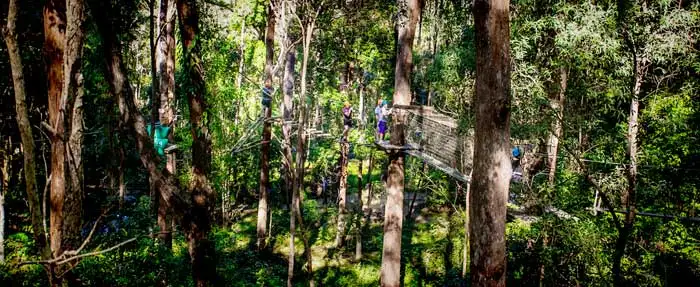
pixel 408 14
pixel 241 60
pixel 287 111
pixel 73 98
pixel 362 102
pixel 492 167
pixel 289 172
pixel 342 195
pixel 557 104
pixel 54 45
pixel 307 34
pixel 4 188
pixel 630 198
pixel 26 134
pixel 465 252
pixel 201 249
pixel 155 92
pixel 358 213
pixel 267 132
pixel 63 43
pixel 166 74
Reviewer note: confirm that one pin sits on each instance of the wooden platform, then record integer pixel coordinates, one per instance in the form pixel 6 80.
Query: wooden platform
pixel 387 146
pixel 431 161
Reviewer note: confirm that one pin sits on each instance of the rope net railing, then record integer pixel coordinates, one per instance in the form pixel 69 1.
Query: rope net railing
pixel 434 137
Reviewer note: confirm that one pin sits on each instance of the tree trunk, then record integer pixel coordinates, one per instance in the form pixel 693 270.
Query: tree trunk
pixel 287 111
pixel 54 45
pixel 492 167
pixel 166 74
pixel 155 94
pixel 465 252
pixel 409 11
pixel 73 97
pixel 26 134
pixel 4 188
pixel 301 157
pixel 362 103
pixel 289 172
pixel 630 198
pixel 63 49
pixel 358 213
pixel 292 234
pixel 342 195
pixel 241 60
pixel 201 249
pixel 267 132
pixel 367 210
pixel 557 104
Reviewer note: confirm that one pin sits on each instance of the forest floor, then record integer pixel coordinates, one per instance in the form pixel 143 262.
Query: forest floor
pixel 432 245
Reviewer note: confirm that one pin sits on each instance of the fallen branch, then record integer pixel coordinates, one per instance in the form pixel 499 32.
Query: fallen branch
pixel 89 237
pixel 62 259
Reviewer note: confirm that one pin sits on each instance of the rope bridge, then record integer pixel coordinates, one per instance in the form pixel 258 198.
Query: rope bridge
pixel 434 138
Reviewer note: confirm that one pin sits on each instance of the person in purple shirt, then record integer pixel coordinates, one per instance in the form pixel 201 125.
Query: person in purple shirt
pixel 347 120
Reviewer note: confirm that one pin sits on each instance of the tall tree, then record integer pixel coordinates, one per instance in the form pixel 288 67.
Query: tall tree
pixel 64 36
pixel 25 128
pixel 166 74
pixel 287 111
pixel 72 100
pixel 5 159
pixel 492 167
pixel 289 172
pixel 201 249
pixel 310 11
pixel 556 102
pixel 54 44
pixel 342 194
pixel 407 19
pixel 263 208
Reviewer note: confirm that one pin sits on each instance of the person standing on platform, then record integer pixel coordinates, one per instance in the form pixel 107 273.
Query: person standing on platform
pixel 347 120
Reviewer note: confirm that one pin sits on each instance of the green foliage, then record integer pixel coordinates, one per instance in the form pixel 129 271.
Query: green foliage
pixel 597 43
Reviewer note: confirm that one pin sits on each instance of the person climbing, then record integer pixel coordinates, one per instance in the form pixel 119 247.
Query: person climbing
pixel 380 112
pixel 347 120
pixel 267 92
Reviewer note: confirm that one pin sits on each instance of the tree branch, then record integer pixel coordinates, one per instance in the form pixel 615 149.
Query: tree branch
pixel 595 184
pixel 97 252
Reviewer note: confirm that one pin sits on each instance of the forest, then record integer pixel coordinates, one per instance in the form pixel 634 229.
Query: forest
pixel 349 143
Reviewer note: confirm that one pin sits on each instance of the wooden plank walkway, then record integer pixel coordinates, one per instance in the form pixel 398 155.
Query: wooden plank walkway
pixel 387 146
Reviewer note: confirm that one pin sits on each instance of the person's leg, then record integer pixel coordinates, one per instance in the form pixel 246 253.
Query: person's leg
pixel 382 129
